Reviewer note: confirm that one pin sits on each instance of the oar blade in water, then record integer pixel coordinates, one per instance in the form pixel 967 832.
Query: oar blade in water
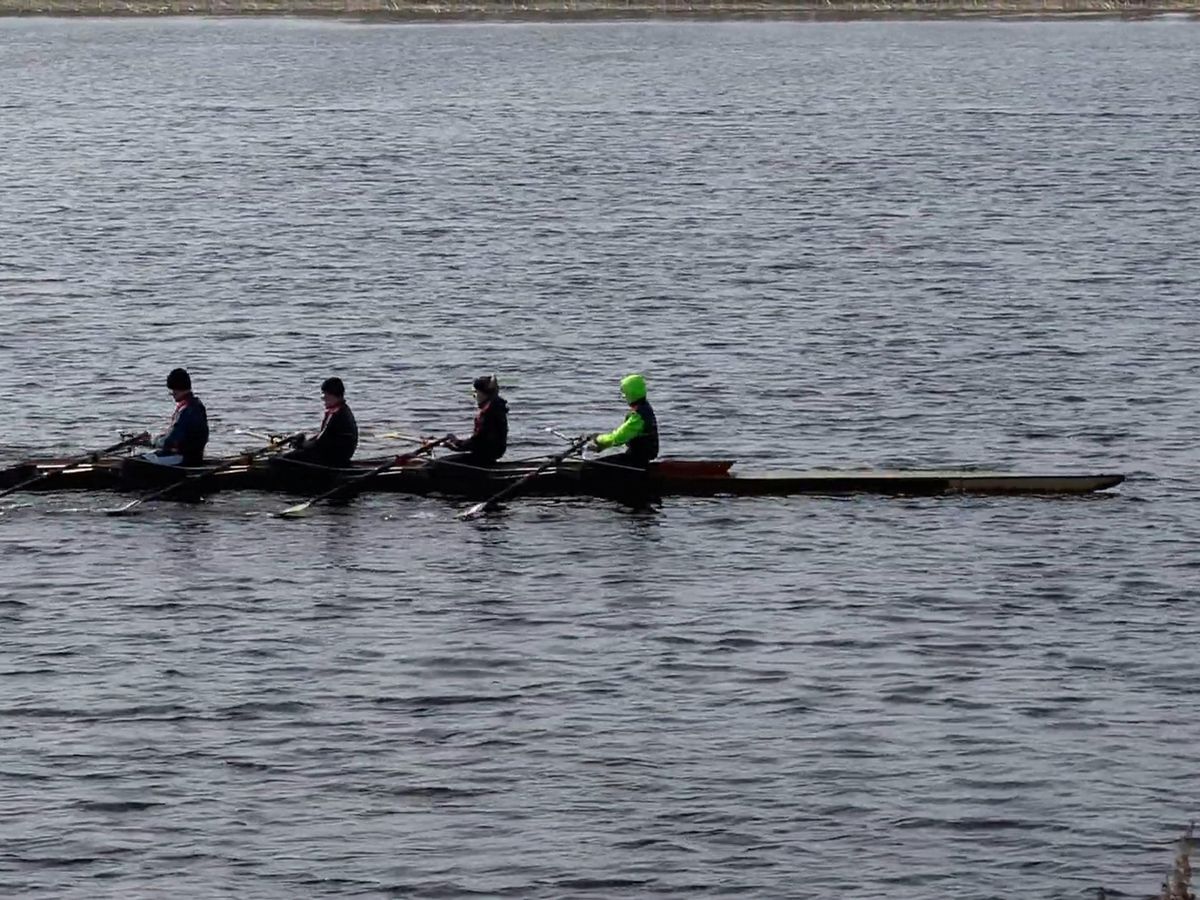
pixel 127 510
pixel 294 512
pixel 474 512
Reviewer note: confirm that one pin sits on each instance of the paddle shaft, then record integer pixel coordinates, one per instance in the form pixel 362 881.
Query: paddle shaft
pixel 521 482
pixel 558 434
pixel 255 434
pixel 597 460
pixel 391 435
pixel 128 442
pixel 367 476
pixel 401 436
pixel 242 459
pixel 566 438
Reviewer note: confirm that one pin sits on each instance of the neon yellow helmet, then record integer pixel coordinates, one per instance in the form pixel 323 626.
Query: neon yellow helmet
pixel 633 388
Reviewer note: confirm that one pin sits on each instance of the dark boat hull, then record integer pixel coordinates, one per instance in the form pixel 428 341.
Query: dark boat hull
pixel 667 478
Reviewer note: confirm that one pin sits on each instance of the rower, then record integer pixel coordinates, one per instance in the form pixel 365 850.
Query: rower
pixel 183 443
pixel 638 434
pixel 489 439
pixel 337 439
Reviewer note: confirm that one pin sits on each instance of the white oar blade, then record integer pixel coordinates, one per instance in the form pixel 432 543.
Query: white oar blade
pixel 294 512
pixel 474 512
pixel 125 510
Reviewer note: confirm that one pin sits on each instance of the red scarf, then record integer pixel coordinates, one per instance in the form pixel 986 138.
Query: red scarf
pixel 329 413
pixel 180 407
pixel 479 416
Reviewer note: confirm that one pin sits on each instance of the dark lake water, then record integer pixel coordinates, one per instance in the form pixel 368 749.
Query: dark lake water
pixel 844 244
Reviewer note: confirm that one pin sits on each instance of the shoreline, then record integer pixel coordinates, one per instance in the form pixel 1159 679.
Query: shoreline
pixel 399 11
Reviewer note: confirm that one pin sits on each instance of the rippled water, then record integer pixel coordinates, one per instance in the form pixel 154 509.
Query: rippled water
pixel 854 244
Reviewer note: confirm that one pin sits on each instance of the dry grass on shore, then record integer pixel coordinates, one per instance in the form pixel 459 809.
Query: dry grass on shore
pixel 592 9
pixel 1178 885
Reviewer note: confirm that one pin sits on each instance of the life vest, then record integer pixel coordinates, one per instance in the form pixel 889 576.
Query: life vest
pixel 644 447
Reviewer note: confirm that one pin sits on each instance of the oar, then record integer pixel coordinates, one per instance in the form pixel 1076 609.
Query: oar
pixel 401 436
pixel 294 512
pixel 490 503
pixel 128 442
pixel 566 438
pixel 239 460
pixel 386 436
pixel 257 434
pixel 558 434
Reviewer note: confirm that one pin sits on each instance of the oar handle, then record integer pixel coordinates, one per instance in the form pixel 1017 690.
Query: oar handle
pixel 426 447
pixel 128 440
pixel 276 443
pixel 566 437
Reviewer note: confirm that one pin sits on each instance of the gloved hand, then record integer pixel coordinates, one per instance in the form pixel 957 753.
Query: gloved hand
pixel 159 442
pixel 143 438
pixel 453 442
pixel 594 442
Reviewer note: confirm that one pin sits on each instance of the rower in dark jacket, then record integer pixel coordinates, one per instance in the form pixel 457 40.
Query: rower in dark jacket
pixel 638 434
pixel 489 439
pixel 337 439
pixel 183 443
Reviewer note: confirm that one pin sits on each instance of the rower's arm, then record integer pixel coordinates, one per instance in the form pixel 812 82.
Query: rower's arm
pixel 174 438
pixel 464 445
pixel 323 438
pixel 487 425
pixel 336 429
pixel 632 427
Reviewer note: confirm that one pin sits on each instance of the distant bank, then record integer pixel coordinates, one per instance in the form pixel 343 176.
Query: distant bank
pixel 566 10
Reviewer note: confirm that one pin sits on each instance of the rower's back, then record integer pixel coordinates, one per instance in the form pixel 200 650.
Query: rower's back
pixel 192 432
pixel 339 440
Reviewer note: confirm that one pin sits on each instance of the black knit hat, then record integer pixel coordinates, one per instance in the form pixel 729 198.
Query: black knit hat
pixel 333 386
pixel 488 384
pixel 179 380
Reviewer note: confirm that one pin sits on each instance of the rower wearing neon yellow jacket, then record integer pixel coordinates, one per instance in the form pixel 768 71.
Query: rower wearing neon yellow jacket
pixel 638 434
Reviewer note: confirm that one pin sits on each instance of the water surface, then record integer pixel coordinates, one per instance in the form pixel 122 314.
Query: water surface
pixel 846 244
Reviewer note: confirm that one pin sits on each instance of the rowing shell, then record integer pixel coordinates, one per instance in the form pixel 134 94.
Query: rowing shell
pixel 665 478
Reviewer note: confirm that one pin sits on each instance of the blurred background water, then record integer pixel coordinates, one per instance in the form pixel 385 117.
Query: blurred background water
pixel 842 244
